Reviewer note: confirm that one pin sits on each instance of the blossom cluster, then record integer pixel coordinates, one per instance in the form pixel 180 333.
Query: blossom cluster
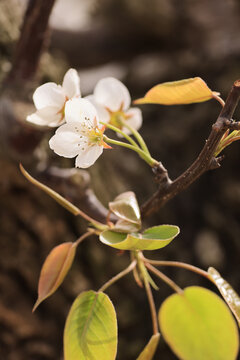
pixel 79 120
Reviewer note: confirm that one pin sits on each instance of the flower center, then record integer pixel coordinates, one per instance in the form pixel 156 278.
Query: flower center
pixel 116 119
pixel 95 136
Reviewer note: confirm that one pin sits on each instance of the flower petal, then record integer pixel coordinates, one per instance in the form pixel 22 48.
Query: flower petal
pixel 103 114
pixel 49 94
pixel 88 158
pixel 67 142
pixel 135 121
pixel 71 84
pixel 81 110
pixel 112 94
pixel 48 116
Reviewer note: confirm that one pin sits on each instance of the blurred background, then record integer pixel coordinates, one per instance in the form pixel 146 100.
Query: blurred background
pixel 141 43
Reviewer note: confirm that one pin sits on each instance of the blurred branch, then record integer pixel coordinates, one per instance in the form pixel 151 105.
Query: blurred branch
pixel 74 185
pixel 204 162
pixel 32 41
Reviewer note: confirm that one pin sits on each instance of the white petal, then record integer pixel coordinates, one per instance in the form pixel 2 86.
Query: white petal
pixel 71 83
pixel 49 94
pixel 88 158
pixel 135 120
pixel 103 114
pixel 81 110
pixel 48 116
pixel 67 142
pixel 112 93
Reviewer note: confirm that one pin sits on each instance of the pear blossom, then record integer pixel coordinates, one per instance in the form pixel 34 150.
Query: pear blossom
pixel 112 101
pixel 81 136
pixel 50 100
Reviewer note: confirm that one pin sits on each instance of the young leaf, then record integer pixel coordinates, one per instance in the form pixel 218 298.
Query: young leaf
pixel 91 328
pixel 229 295
pixel 125 206
pixel 150 349
pixel 151 239
pixel 54 270
pixel 187 91
pixel 198 325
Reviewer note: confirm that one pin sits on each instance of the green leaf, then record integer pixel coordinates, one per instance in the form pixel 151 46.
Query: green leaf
pixel 125 206
pixel 54 270
pixel 198 325
pixel 151 239
pixel 187 91
pixel 227 292
pixel 150 349
pixel 91 328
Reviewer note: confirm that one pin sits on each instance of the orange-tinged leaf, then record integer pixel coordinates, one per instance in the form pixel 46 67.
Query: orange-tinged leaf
pixel 187 91
pixel 54 270
pixel 150 349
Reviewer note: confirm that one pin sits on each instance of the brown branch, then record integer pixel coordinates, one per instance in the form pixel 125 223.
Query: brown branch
pixel 32 40
pixel 74 185
pixel 204 162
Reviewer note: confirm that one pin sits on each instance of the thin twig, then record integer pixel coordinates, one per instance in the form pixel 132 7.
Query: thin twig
pixel 165 278
pixel 151 303
pixel 203 162
pixel 178 264
pixel 118 276
pixel 84 236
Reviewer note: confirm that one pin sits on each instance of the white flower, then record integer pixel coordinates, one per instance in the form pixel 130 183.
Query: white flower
pixel 112 100
pixel 50 99
pixel 81 136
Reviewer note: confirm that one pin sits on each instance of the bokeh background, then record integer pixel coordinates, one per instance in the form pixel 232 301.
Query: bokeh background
pixel 142 43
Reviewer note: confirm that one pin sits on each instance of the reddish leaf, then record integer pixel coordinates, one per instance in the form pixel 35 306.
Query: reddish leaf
pixel 54 270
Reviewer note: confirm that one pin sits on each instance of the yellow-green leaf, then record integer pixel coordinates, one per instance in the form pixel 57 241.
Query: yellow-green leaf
pixel 125 206
pixel 150 349
pixel 198 325
pixel 91 328
pixel 54 270
pixel 187 91
pixel 151 239
pixel 229 295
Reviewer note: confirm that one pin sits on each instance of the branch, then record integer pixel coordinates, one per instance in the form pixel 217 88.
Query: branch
pixel 32 40
pixel 74 185
pixel 204 162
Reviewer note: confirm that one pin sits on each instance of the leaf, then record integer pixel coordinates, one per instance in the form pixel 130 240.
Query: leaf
pixel 229 295
pixel 54 270
pixel 151 239
pixel 187 91
pixel 125 206
pixel 57 197
pixel 198 325
pixel 150 349
pixel 91 328
pixel 125 226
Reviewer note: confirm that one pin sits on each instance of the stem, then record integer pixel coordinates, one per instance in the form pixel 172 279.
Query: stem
pixel 118 276
pixel 83 237
pixel 219 99
pixel 149 295
pixel 137 136
pixel 178 264
pixel 165 278
pixel 61 200
pixel 149 160
pixel 114 128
